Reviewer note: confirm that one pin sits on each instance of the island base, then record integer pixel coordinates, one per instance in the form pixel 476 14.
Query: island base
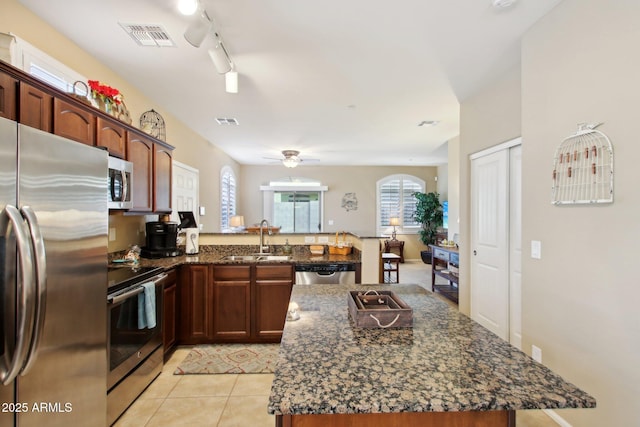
pixel 402 419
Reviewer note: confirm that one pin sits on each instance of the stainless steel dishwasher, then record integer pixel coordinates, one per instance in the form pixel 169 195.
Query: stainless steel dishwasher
pixel 325 274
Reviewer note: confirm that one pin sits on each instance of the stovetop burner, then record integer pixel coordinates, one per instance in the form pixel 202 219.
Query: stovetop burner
pixel 121 277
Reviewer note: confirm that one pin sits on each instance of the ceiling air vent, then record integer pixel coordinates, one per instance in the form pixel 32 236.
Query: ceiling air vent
pixel 225 121
pixel 148 34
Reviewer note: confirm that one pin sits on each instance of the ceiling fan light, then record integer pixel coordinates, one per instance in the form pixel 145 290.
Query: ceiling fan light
pixel 187 7
pixel 290 162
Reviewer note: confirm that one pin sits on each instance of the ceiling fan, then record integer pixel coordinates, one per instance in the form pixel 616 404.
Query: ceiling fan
pixel 291 158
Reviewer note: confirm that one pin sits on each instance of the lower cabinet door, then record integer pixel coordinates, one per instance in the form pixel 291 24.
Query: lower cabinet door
pixel 232 303
pixel 272 302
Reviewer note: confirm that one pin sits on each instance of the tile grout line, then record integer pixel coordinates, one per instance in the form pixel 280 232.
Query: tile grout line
pixel 226 403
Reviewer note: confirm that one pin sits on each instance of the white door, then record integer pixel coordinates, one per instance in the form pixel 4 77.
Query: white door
pixel 186 181
pixel 489 242
pixel 515 246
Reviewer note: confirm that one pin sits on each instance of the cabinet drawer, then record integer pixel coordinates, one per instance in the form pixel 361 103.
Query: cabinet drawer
pixel 439 253
pixel 454 259
pixel 270 272
pixel 231 272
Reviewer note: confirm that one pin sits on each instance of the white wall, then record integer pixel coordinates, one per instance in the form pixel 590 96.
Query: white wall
pixel 340 180
pixel 580 63
pixel 490 117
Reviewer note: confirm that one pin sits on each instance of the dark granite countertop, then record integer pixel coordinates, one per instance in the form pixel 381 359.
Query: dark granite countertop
pixel 446 362
pixel 214 254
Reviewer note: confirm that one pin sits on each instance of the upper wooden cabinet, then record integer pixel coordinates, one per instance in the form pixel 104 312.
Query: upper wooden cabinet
pixel 8 97
pixel 112 136
pixel 152 168
pixel 35 108
pixel 34 103
pixel 140 150
pixel 162 165
pixel 73 122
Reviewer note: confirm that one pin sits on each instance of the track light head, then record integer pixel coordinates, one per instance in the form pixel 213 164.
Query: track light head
pixel 198 29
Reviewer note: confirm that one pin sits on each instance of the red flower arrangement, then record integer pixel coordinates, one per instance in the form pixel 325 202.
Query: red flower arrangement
pixel 106 93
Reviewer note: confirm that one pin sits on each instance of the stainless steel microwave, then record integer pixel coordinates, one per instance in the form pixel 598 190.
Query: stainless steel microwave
pixel 120 183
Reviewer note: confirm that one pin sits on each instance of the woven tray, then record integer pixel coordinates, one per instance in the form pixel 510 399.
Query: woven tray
pixel 379 309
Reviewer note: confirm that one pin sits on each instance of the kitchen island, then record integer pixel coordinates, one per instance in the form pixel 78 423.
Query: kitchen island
pixel 446 370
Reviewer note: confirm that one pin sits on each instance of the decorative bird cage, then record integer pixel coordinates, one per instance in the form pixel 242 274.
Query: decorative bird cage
pixel 583 168
pixel 152 123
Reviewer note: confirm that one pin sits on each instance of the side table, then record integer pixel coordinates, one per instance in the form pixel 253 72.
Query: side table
pixel 395 246
pixel 390 268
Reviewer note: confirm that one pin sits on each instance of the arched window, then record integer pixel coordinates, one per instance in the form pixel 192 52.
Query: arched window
pixel 227 197
pixel 395 199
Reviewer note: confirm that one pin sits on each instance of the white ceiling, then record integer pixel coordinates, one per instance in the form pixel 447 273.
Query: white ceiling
pixel 342 81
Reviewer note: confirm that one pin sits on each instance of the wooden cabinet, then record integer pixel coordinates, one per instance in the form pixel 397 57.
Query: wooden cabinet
pixel 35 108
pixel 140 153
pixel 8 96
pixel 196 305
pixel 112 136
pixel 73 122
pixel 232 302
pixel 169 312
pixel 273 287
pixel 152 168
pixel 162 166
pixel 444 263
pixel 38 105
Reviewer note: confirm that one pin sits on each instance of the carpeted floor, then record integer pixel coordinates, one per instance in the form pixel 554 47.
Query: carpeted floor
pixel 230 359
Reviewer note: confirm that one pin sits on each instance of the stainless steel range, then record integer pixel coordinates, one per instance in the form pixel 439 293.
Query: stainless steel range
pixel 134 304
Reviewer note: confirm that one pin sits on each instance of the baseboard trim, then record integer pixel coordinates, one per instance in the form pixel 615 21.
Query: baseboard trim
pixel 557 418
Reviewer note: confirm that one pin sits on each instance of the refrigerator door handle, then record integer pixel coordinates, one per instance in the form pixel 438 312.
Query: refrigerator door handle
pixel 37 242
pixel 25 308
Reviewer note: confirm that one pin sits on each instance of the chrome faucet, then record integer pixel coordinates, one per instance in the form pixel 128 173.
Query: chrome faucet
pixel 264 249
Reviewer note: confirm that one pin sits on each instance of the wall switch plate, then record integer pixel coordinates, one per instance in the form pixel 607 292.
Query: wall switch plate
pixel 330 222
pixel 323 239
pixel 309 239
pixel 536 353
pixel 536 249
pixel 202 211
pixel 112 234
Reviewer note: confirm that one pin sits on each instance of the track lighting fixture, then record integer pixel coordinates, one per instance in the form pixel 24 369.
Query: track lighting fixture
pixel 197 32
pixel 188 7
pixel 198 29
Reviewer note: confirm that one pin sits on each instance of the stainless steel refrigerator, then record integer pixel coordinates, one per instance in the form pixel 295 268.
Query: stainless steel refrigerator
pixel 53 280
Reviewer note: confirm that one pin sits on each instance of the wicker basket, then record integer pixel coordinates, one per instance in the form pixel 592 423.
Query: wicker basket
pixel 78 94
pixel 340 247
pixel 339 250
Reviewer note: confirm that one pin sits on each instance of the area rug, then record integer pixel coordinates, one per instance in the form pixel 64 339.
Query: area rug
pixel 230 359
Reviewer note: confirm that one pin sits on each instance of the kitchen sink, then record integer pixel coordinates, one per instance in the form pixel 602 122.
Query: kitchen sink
pixel 273 257
pixel 246 258
pixel 257 258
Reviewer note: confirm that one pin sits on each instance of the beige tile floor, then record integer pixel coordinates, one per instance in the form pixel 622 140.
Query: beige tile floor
pixel 239 400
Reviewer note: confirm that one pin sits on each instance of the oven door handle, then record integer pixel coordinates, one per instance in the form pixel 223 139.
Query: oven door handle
pixel 138 290
pixel 119 298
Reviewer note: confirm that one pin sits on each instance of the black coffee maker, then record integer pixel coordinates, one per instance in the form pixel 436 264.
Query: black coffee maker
pixel 161 240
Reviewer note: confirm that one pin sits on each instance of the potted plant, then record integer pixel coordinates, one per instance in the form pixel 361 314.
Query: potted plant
pixel 429 214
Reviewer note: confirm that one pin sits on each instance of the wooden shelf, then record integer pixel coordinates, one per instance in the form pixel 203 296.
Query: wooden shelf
pixel 442 260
